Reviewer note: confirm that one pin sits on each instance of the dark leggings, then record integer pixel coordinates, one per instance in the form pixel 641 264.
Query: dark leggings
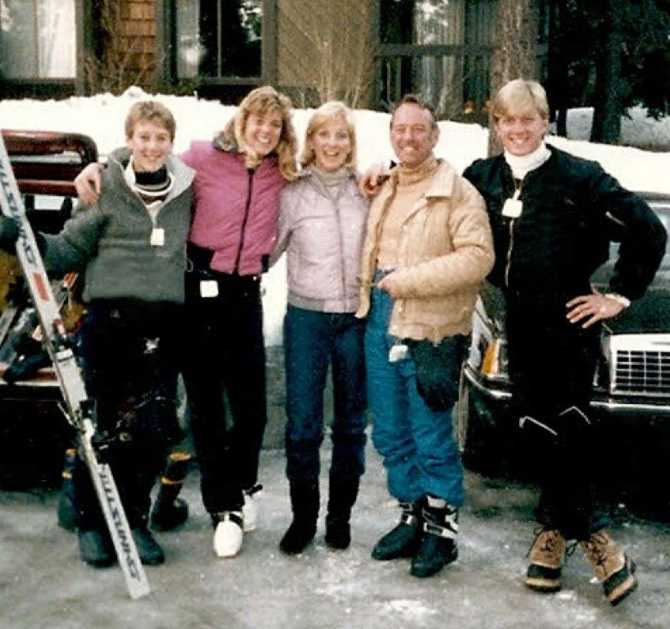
pixel 224 363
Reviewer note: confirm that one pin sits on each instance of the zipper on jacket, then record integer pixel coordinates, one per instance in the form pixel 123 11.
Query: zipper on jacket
pixel 250 173
pixel 508 262
pixel 340 239
pixel 510 247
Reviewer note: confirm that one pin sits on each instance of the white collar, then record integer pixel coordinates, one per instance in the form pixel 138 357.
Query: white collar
pixel 521 165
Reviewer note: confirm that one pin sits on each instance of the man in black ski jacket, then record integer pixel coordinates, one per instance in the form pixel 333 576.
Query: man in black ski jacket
pixel 553 216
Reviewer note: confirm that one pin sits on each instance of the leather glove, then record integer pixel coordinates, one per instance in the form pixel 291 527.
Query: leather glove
pixel 438 369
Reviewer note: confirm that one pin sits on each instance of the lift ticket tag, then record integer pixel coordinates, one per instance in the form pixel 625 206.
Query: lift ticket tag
pixel 157 237
pixel 513 207
pixel 209 288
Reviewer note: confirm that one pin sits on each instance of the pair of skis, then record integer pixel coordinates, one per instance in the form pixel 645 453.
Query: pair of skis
pixel 77 407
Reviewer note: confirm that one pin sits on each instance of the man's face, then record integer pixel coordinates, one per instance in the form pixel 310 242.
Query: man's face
pixel 150 145
pixel 412 134
pixel 521 133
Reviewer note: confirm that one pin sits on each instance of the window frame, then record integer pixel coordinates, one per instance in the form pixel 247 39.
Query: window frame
pixel 59 87
pixel 166 41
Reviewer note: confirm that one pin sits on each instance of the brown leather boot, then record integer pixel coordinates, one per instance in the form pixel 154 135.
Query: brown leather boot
pixel 546 555
pixel 610 565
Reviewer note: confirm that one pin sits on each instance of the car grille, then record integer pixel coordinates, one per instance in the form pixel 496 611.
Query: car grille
pixel 641 370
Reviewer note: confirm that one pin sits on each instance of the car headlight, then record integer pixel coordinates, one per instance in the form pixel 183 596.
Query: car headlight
pixel 495 364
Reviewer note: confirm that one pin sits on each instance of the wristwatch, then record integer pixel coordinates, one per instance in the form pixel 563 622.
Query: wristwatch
pixel 624 301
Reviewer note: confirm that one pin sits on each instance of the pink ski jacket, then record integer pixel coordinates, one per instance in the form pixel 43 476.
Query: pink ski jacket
pixel 236 209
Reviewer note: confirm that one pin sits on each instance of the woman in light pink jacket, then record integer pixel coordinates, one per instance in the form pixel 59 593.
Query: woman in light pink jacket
pixel 321 226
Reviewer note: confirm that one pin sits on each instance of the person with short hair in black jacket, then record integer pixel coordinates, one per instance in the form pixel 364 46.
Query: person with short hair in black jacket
pixel 553 216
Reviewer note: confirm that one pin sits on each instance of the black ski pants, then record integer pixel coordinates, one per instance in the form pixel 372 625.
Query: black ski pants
pixel 552 364
pixel 130 359
pixel 224 365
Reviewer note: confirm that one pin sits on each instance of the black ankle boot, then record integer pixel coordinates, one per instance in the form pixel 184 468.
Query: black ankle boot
pixel 169 511
pixel 150 552
pixel 96 548
pixel 305 507
pixel 341 498
pixel 404 539
pixel 438 546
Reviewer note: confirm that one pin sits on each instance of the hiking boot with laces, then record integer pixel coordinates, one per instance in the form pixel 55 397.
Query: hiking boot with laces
pixel 611 566
pixel 546 555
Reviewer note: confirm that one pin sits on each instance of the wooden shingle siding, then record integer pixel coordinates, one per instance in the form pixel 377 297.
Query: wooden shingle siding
pixel 138 28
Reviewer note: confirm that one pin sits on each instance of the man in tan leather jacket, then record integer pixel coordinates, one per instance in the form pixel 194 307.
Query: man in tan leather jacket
pixel 428 248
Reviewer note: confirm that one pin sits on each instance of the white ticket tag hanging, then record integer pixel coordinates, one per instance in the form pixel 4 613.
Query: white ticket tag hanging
pixel 398 352
pixel 513 207
pixel 157 237
pixel 209 288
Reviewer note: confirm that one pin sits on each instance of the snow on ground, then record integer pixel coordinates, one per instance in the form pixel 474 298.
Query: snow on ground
pixel 102 116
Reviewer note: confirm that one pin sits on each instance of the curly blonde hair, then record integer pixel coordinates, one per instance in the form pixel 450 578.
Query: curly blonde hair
pixel 329 111
pixel 261 101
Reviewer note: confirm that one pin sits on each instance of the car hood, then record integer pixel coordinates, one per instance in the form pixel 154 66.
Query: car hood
pixel 649 315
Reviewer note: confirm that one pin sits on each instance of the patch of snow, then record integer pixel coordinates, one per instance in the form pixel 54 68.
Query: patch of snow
pixel 407 609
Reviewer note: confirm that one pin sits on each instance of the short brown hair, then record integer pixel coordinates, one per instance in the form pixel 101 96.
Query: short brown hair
pixel 329 111
pixel 151 111
pixel 520 96
pixel 413 99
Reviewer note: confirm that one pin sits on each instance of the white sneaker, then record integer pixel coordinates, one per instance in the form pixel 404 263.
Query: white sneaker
pixel 228 534
pixel 250 507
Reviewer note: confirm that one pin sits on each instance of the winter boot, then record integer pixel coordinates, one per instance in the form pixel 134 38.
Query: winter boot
pixel 546 555
pixel 96 548
pixel 610 565
pixel 170 511
pixel 250 507
pixel 341 498
pixel 405 538
pixel 305 507
pixel 150 552
pixel 67 514
pixel 228 533
pixel 438 545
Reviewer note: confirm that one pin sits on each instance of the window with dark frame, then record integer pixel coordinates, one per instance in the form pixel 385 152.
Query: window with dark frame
pixel 219 39
pixel 38 39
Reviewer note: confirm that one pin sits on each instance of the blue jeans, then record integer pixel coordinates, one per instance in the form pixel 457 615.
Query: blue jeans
pixel 420 455
pixel 313 341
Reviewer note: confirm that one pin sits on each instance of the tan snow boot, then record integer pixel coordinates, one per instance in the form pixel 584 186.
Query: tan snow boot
pixel 546 555
pixel 610 565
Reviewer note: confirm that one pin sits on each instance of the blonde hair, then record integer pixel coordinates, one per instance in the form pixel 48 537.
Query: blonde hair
pixel 150 111
pixel 329 111
pixel 520 96
pixel 261 101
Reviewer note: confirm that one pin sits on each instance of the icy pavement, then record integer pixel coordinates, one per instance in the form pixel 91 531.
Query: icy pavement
pixel 43 584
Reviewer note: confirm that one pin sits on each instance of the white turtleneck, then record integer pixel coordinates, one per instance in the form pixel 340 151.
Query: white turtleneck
pixel 521 165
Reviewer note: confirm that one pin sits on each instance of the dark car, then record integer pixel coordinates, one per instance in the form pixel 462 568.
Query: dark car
pixel 33 431
pixel 631 385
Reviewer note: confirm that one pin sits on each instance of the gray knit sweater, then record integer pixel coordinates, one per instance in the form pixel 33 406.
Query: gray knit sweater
pixel 112 239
